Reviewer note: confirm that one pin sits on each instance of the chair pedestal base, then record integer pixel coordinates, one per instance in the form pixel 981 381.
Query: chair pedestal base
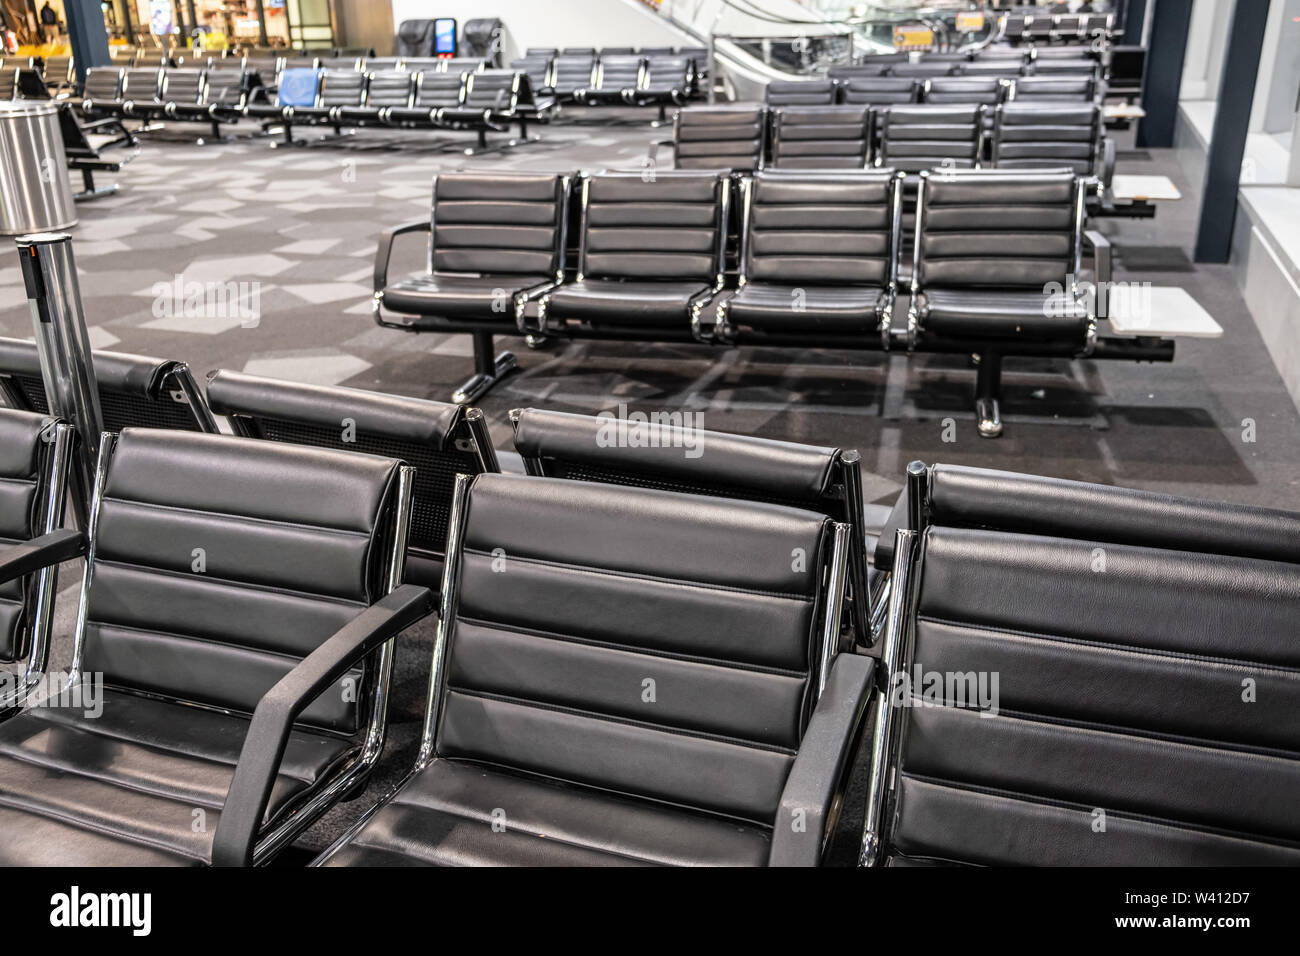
pixel 488 370
pixel 988 417
pixel 988 389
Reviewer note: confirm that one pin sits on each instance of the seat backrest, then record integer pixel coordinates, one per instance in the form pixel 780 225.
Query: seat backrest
pixel 381 64
pixel 142 84
pixel 720 137
pixel 800 92
pixel 995 229
pixel 996 69
pixel 1069 89
pixel 424 64
pixel 1047 66
pixel 268 68
pixel 103 83
pixel 1045 135
pixel 8 84
pixel 619 72
pixel 299 86
pixel 821 137
pixel 670 227
pixel 821 230
pixel 183 86
pixel 914 138
pixel 24 451
pixel 922 69
pixel 463 64
pixel 353 63
pixel 134 391
pixel 342 88
pixel 842 72
pixel 538 69
pixel 960 89
pixel 1125 630
pixel 220 562
pixel 664 69
pixel 689 601
pixel 433 437
pixel 436 90
pixel 571 73
pixel 390 88
pixel 496 90
pixel 226 86
pixel 876 90
pixel 500 223
pixel 57 70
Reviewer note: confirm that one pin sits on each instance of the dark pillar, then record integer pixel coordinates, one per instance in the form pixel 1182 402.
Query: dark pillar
pixel 1164 73
pixel 1135 14
pixel 1231 123
pixel 262 38
pixel 87 35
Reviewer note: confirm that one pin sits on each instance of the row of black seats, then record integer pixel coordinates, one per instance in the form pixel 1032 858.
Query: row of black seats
pixel 480 102
pixel 996 261
pixel 614 79
pixel 744 137
pixel 873 90
pixel 538 746
pixel 1046 26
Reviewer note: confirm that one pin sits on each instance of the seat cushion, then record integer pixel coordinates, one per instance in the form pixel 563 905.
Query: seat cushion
pixel 412 115
pixel 445 816
pixel 122 788
pixel 613 302
pixel 459 297
pixel 1003 313
pixel 781 308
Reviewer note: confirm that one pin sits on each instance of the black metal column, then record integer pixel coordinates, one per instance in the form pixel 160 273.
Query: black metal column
pixel 1135 14
pixel 1164 72
pixel 262 38
pixel 1231 124
pixel 87 34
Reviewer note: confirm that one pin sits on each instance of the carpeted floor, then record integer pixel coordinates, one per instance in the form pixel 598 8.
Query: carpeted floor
pixel 300 226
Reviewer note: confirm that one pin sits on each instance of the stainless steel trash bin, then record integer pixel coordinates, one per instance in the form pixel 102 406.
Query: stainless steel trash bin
pixel 34 192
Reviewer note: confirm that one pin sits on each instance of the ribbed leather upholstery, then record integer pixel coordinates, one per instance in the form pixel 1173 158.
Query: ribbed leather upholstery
pixel 986 91
pixel 103 84
pixel 841 73
pixel 922 70
pixel 913 138
pixel 338 88
pixel 874 90
pixel 134 390
pixel 1122 685
pixel 614 75
pixel 425 434
pixel 649 248
pixel 821 137
pixel 21 447
pixel 183 86
pixel 546 719
pixel 142 85
pixel 988 244
pixel 494 234
pixel 226 86
pixel 462 64
pixel 384 90
pixel 1047 66
pixel 994 69
pixel 571 73
pixel 537 67
pixel 1068 89
pixel 720 137
pixel 800 93
pixel 818 253
pixel 1047 135
pixel 669 79
pixel 489 95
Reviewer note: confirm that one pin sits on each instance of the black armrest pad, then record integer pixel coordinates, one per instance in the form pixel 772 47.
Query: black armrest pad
pixel 49 549
pixel 268 734
pixel 818 773
pixel 385 250
pixel 883 560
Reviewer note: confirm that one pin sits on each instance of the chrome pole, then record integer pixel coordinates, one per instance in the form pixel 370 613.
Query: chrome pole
pixel 59 323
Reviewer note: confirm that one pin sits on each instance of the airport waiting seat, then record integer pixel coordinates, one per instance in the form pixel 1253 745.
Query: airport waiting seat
pixel 181 87
pixel 616 78
pixel 570 73
pixel 1124 628
pixel 337 88
pixel 497 243
pixel 986 91
pixel 1049 135
pixel 996 265
pixel 8 84
pixel 1059 89
pixel 381 64
pixel 730 136
pixel 434 92
pixel 134 391
pixel 915 138
pixel 652 257
pixel 670 454
pixel 841 73
pixel 669 81
pixel 438 439
pixel 818 262
pixel 800 93
pixel 354 63
pixel 636 581
pixel 925 69
pixel 297 88
pixel 141 93
pixel 102 90
pixel 35 460
pixel 538 69
pixel 462 64
pixel 57 73
pixel 221 100
pixel 280 597
pixel 1050 66
pixel 490 103
pixel 821 137
pixel 879 90
pixel 385 90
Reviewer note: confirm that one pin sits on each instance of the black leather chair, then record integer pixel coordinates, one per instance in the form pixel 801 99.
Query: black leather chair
pixel 666 451
pixel 879 90
pixel 226 578
pixel 1125 629
pixel 986 91
pixel 35 458
pixel 841 73
pixel 537 67
pixel 916 138
pixel 732 136
pixel 385 90
pixel 821 137
pixel 221 99
pixel 996 270
pixel 800 93
pixel 1055 89
pixel 102 91
pixel 438 439
pixel 1030 135
pixel 336 88
pixel 134 391
pixel 669 80
pixel 570 73
pixel 490 104
pixel 434 92
pixel 601 699
pixel 497 242
pixel 923 69
pixel 651 258
pixel 617 77
pixel 818 261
